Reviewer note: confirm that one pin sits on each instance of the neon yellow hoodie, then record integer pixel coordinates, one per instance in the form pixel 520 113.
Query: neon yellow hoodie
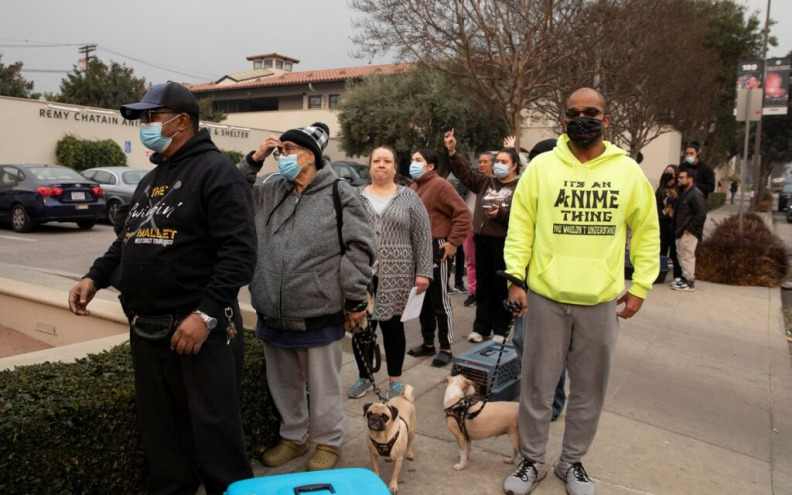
pixel 568 222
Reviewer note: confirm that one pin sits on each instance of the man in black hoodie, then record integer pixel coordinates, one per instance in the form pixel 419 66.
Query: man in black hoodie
pixel 702 174
pixel 188 244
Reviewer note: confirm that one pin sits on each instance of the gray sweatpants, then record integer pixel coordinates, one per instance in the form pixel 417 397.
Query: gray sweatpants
pixel 585 338
pixel 288 372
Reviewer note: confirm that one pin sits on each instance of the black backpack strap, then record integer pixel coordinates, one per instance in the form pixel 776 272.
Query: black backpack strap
pixel 339 214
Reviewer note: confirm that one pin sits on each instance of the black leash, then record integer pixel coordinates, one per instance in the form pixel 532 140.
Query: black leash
pixel 366 340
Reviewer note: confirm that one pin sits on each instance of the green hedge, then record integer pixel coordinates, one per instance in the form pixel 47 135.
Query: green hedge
pixel 82 154
pixel 715 200
pixel 71 428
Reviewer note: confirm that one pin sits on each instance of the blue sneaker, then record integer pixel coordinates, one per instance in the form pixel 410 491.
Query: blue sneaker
pixel 395 389
pixel 359 388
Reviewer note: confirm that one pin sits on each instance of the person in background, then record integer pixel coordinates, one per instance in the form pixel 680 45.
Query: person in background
pixel 569 249
pixel 485 161
pixel 666 197
pixel 733 189
pixel 490 223
pixel 404 261
pixel 458 261
pixel 702 174
pixel 450 220
pixel 186 246
pixel 691 214
pixel 313 273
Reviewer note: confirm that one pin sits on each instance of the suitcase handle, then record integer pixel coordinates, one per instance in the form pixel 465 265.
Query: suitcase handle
pixel 313 488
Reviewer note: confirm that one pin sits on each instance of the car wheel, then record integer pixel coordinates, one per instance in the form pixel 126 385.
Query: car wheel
pixel 86 224
pixel 20 221
pixel 112 211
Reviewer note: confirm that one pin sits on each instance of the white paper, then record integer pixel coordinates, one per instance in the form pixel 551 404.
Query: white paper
pixel 413 308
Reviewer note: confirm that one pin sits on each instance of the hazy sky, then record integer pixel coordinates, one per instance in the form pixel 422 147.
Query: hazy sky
pixel 200 41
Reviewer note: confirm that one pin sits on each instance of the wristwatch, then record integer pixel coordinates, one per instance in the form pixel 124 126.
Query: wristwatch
pixel 208 320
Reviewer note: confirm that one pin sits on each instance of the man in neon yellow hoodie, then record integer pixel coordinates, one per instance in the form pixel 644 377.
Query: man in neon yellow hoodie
pixel 567 233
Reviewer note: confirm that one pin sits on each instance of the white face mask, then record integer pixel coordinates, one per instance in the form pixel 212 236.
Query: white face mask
pixel 500 170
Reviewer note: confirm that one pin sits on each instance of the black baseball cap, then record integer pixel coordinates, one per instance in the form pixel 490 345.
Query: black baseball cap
pixel 170 94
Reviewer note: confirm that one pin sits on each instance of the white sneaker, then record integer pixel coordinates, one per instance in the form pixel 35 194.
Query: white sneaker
pixel 475 337
pixel 498 338
pixel 674 282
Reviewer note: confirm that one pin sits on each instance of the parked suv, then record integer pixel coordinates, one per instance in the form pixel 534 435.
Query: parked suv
pixel 783 196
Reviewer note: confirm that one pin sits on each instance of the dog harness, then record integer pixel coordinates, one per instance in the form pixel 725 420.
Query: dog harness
pixel 459 411
pixel 384 449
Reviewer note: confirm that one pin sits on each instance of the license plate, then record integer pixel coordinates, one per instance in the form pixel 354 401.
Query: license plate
pixel 81 207
pixel 78 195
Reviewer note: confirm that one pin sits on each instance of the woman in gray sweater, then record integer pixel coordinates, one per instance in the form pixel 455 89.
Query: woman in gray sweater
pixel 404 261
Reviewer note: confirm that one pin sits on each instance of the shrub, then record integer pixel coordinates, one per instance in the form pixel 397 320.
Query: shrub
pixel 71 428
pixel 234 156
pixel 757 258
pixel 715 200
pixel 765 202
pixel 82 154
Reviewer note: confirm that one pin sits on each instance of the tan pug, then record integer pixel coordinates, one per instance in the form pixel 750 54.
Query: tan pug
pixel 391 432
pixel 497 418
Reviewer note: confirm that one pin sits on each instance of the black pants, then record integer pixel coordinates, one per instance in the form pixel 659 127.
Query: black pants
pixel 459 267
pixel 491 289
pixel 436 313
pixel 188 413
pixel 395 344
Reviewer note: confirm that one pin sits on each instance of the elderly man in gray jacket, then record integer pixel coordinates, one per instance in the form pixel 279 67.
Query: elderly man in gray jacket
pixel 309 279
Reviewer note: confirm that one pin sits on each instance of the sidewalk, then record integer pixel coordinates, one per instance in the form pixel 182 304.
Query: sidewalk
pixel 700 402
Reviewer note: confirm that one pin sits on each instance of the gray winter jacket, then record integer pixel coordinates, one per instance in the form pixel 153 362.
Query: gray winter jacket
pixel 302 280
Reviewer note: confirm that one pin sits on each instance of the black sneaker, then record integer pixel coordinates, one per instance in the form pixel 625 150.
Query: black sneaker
pixel 576 479
pixel 524 479
pixel 460 288
pixel 470 301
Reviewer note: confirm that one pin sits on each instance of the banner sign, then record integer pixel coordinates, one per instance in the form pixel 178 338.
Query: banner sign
pixel 776 86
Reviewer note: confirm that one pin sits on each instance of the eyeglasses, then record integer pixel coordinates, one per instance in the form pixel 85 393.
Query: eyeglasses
pixel 285 150
pixel 148 115
pixel 589 112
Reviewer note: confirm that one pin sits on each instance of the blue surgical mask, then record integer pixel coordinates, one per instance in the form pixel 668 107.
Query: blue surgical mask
pixel 417 170
pixel 500 170
pixel 690 160
pixel 152 138
pixel 288 167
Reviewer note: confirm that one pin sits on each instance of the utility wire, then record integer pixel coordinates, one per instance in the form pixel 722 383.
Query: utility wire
pixel 175 70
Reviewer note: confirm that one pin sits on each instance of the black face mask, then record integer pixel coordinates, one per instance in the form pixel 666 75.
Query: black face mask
pixel 667 176
pixel 584 131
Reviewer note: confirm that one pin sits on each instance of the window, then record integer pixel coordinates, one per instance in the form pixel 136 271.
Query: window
pixel 332 101
pixel 342 171
pixel 104 177
pixel 257 64
pixel 279 64
pixel 288 66
pixel 9 175
pixel 268 63
pixel 315 101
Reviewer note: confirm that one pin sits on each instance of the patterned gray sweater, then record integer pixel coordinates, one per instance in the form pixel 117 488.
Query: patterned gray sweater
pixel 405 249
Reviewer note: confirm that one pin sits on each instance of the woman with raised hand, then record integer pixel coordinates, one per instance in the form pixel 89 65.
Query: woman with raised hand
pixel 490 224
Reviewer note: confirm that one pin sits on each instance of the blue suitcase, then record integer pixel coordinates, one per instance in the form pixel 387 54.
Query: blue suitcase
pixel 350 481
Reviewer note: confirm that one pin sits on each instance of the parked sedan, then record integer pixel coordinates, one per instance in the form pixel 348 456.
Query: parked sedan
pixel 36 194
pixel 118 183
pixel 356 173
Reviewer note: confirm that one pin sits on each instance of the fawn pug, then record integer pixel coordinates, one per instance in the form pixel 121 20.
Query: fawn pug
pixel 497 418
pixel 391 432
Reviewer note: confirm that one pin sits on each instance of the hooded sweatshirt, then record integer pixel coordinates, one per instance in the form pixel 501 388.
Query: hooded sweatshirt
pixel 189 241
pixel 569 226
pixel 449 216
